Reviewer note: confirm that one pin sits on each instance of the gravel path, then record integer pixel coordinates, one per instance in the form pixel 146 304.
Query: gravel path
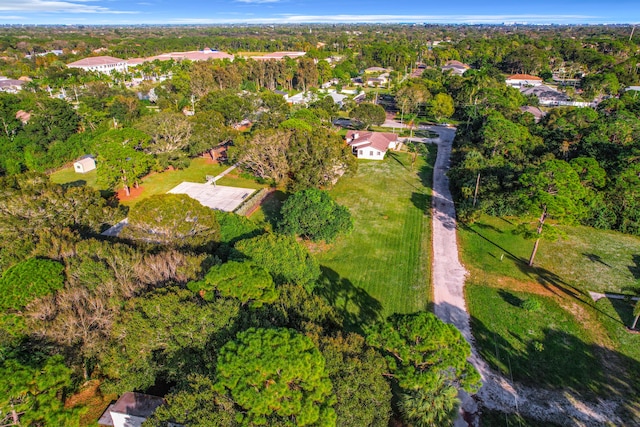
pixel 562 407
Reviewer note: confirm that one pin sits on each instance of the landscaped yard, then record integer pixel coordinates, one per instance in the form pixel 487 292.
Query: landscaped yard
pixel 383 266
pixel 160 183
pixel 570 341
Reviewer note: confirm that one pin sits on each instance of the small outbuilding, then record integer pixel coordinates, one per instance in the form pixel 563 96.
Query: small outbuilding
pixel 84 165
pixel 131 410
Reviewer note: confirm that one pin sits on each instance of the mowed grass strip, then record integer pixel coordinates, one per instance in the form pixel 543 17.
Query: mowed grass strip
pixel 388 253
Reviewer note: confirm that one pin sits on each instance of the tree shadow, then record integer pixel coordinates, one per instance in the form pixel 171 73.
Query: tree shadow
pixel 509 298
pixel 624 309
pixel 595 258
pixel 76 183
pixel 394 156
pixel 518 260
pixel 488 227
pixel 271 206
pixel 635 269
pixel 421 201
pixel 354 304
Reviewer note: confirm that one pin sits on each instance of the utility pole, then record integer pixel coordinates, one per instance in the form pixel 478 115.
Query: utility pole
pixel 632 30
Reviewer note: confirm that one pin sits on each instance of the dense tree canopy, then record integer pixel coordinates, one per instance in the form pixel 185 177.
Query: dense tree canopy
pixel 277 376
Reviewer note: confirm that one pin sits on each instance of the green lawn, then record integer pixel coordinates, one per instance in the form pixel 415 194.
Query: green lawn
pixel 70 177
pixel 583 258
pixel 572 342
pixel 547 347
pixel 383 266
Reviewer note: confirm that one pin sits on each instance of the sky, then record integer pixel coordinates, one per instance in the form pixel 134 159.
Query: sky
pixel 131 12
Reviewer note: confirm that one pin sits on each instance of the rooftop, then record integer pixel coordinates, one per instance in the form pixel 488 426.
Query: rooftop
pixel 523 77
pixel 378 140
pixel 95 61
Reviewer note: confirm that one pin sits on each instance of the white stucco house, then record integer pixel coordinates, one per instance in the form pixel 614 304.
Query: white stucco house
pixel 84 165
pixel 523 80
pixel 371 145
pixel 101 64
pixel 455 67
pixel 131 410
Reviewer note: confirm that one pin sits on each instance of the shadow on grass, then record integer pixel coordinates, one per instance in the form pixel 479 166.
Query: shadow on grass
pixel 510 298
pixel 76 183
pixel 559 361
pixel 624 308
pixel 635 269
pixel 271 206
pixel 596 258
pixel 421 201
pixel 356 306
pixel 548 279
pixel 395 157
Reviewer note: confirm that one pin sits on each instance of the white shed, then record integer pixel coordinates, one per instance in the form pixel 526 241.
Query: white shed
pixel 84 165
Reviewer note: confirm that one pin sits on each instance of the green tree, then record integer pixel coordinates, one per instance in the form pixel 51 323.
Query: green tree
pixel 173 219
pixel 555 188
pixel 363 395
pixel 51 120
pixel 368 114
pixel 277 376
pixel 170 132
pixel 32 392
pixel 120 159
pixel 28 280
pixel 429 355
pixel 441 106
pixel 313 215
pixel 243 281
pixel 293 263
pixel 168 333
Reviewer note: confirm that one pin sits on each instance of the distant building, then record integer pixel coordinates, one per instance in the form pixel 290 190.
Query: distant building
pixel 455 67
pixel 101 64
pixel 538 114
pixel 193 55
pixel 11 85
pixel 520 80
pixel 131 410
pixel 545 94
pixel 278 56
pixel 373 70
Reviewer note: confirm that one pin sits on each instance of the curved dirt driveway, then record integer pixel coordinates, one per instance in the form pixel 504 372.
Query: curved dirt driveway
pixel 562 407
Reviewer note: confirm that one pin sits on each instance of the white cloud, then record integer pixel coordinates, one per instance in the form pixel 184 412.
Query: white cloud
pixel 48 6
pixel 466 19
pixel 11 17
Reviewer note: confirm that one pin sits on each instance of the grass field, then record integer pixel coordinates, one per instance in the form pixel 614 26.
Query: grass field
pixel 383 266
pixel 69 176
pixel 572 341
pixel 584 258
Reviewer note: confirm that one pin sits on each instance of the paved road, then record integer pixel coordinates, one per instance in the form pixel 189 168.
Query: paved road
pixel 497 392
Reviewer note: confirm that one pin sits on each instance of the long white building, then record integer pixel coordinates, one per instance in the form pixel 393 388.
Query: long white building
pixel 101 64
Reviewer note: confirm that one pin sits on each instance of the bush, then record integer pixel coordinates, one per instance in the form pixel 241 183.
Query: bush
pixel 313 215
pixel 532 304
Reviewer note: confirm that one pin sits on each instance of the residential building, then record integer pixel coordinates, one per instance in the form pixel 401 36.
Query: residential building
pixel 521 80
pixel 371 145
pixel 101 64
pixel 11 85
pixel 538 114
pixel 455 67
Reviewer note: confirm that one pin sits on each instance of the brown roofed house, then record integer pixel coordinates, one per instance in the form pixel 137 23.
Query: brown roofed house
pixel 371 145
pixel 520 80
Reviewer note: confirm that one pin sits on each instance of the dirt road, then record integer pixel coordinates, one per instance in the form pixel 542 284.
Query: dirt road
pixel 561 407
